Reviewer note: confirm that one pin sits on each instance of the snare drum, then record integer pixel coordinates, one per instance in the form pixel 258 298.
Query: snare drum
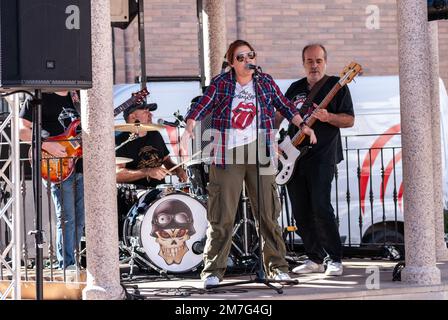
pixel 166 227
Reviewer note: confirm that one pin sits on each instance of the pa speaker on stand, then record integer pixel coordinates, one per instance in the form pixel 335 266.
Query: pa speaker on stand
pixel 45 44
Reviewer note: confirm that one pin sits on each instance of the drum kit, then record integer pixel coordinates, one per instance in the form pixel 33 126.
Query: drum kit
pixel 164 229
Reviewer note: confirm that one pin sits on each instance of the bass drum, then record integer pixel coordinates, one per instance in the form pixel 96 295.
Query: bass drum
pixel 166 228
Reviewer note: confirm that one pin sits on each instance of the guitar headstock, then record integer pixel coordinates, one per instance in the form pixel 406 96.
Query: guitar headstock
pixel 349 73
pixel 138 96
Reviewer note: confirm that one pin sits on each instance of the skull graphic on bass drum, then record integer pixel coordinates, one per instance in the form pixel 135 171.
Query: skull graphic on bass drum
pixel 172 226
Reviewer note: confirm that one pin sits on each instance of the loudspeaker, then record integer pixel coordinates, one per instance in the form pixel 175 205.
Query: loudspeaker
pixel 122 12
pixel 437 9
pixel 45 44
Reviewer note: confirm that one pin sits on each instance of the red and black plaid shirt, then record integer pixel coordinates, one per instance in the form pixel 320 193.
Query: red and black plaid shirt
pixel 217 100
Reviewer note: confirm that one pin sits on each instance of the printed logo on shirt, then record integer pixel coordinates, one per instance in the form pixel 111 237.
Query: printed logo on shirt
pixel 299 100
pixel 149 158
pixel 243 115
pixel 67 116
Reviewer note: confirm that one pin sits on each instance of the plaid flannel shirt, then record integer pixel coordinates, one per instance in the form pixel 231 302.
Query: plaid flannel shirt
pixel 217 100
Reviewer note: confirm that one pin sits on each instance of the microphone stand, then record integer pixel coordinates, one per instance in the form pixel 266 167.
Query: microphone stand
pixel 37 186
pixel 260 273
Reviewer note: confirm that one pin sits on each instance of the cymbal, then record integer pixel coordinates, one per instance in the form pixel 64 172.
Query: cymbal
pixel 122 160
pixel 137 127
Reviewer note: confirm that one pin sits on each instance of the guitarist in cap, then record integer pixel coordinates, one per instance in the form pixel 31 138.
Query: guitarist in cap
pixel 309 187
pixel 60 110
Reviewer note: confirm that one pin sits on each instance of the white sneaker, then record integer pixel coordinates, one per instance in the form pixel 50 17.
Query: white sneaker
pixel 334 269
pixel 210 282
pixel 281 276
pixel 71 267
pixel 309 267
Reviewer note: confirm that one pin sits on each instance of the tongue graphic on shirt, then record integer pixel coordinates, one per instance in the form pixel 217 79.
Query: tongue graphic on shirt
pixel 243 115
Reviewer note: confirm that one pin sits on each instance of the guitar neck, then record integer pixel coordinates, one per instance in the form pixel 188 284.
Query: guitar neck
pixel 123 106
pixel 300 136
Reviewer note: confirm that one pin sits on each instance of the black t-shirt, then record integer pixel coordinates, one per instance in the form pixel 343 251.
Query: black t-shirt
pixel 147 152
pixel 58 112
pixel 329 147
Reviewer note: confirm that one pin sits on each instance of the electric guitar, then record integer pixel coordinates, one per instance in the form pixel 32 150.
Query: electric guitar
pixel 289 153
pixel 137 97
pixel 57 170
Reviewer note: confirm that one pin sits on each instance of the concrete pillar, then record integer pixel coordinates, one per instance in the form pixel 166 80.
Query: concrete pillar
pixel 441 249
pixel 103 274
pixel 417 144
pixel 216 12
pixel 241 19
pixel 130 42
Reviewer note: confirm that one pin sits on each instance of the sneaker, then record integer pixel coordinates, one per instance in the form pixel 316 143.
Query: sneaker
pixel 71 267
pixel 210 282
pixel 309 267
pixel 281 276
pixel 334 269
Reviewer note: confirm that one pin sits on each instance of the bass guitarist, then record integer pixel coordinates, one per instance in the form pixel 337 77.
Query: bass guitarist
pixel 309 187
pixel 59 111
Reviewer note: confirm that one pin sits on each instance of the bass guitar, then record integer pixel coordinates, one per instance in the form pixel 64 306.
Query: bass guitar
pixel 289 153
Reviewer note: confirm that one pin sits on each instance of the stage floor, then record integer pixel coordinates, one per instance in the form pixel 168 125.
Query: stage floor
pixel 362 279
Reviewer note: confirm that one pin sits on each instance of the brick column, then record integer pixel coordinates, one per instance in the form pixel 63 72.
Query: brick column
pixel 215 9
pixel 103 274
pixel 416 130
pixel 441 249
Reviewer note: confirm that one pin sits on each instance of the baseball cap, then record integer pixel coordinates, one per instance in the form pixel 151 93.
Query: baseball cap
pixel 132 108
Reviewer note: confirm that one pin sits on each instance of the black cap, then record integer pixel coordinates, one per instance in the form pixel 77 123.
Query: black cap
pixel 148 106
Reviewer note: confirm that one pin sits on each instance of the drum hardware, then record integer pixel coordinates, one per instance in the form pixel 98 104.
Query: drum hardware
pixel 138 127
pixel 290 229
pixel 131 137
pixel 133 256
pixel 244 222
pixel 198 174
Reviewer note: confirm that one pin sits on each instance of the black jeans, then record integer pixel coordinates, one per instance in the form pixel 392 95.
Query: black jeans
pixel 310 193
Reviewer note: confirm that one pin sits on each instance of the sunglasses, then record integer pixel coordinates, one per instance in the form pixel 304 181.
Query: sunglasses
pixel 251 55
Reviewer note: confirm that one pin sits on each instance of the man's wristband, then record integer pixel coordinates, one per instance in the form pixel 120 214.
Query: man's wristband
pixel 302 124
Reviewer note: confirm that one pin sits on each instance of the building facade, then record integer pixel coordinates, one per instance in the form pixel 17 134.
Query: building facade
pixel 352 30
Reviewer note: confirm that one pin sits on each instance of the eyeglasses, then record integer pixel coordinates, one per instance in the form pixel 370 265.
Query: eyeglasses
pixel 251 55
pixel 164 219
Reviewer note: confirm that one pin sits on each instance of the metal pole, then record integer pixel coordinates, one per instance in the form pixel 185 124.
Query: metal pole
pixel 16 222
pixel 199 14
pixel 141 37
pixel 37 159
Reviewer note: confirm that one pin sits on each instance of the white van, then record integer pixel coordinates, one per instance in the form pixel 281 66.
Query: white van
pixel 368 191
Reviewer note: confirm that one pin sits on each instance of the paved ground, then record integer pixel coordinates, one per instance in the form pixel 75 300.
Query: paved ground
pixel 362 279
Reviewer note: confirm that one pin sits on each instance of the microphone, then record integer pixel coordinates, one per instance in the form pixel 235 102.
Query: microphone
pixel 168 123
pixel 251 66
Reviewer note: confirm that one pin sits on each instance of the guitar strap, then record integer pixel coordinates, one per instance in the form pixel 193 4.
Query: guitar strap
pixel 309 100
pixel 76 101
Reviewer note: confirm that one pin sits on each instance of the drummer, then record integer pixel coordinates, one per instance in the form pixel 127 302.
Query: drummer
pixel 150 157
